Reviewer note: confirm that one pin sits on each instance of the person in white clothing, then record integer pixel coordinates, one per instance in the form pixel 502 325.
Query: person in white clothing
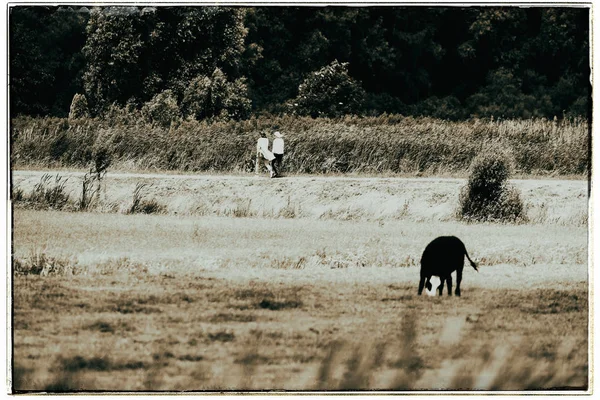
pixel 278 152
pixel 263 153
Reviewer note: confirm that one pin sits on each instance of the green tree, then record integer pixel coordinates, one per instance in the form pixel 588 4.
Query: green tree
pixel 214 97
pixel 162 109
pixel 112 50
pixel 536 61
pixel 502 97
pixel 138 53
pixel 390 50
pixel 447 62
pixel 329 92
pixel 79 107
pixel 45 63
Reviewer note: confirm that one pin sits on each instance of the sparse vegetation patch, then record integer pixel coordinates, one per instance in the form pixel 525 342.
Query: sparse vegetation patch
pixel 39 263
pixel 47 194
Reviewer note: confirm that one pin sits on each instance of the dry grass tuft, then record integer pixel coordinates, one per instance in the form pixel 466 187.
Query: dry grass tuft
pixel 489 367
pixel 39 263
pixel 144 206
pixel 48 194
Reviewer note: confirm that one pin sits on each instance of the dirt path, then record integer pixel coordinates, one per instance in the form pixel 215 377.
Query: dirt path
pixel 562 202
pixel 297 178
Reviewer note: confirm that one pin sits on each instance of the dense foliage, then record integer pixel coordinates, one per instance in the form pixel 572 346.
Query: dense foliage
pixel 214 97
pixel 329 92
pixel 445 62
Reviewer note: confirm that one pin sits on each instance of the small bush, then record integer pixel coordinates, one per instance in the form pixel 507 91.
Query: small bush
pixel 488 196
pixel 445 108
pixel 92 180
pixel 79 107
pixel 88 191
pixel 102 159
pixel 162 109
pixel 150 207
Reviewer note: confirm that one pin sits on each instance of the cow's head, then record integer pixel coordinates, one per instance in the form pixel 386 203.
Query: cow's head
pixel 432 284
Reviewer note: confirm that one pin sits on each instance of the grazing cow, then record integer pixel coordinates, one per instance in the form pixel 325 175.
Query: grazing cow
pixel 440 258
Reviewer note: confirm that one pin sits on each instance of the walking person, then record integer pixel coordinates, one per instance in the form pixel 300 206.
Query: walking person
pixel 278 152
pixel 263 153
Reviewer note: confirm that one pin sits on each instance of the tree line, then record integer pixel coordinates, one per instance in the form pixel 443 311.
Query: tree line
pixel 221 63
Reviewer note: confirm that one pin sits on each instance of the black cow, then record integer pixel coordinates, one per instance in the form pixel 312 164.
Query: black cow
pixel 441 257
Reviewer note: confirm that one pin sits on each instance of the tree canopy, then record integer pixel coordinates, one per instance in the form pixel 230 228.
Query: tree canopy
pixel 447 62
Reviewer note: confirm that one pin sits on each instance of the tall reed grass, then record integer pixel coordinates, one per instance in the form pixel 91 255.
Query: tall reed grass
pixel 384 144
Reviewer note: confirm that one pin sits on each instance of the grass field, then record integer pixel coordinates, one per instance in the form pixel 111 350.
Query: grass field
pixel 314 300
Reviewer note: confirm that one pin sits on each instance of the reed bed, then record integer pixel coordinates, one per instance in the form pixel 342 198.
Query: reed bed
pixel 371 145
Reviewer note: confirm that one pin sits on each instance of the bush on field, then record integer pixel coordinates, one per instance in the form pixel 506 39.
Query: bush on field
pixel 488 196
pixel 79 107
pixel 162 109
pixel 213 97
pixel 329 92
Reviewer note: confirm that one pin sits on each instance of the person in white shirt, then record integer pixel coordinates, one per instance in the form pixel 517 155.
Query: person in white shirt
pixel 263 153
pixel 277 152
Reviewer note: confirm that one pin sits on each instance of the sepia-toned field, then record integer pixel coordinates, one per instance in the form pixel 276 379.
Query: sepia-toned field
pixel 310 285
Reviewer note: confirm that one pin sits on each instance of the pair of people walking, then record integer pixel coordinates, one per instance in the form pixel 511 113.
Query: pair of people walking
pixel 272 159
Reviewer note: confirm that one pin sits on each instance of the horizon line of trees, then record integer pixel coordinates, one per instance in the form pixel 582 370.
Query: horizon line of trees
pixel 219 63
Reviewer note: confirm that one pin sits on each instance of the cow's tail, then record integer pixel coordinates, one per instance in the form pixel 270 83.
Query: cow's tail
pixel 473 263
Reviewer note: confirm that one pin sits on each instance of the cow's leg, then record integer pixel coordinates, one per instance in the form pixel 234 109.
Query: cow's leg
pixel 458 279
pixel 449 283
pixel 421 284
pixel 441 287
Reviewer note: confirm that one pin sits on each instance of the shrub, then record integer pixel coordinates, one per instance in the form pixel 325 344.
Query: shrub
pixel 162 109
pixel 79 107
pixel 379 103
pixel 213 97
pixel 329 92
pixel 445 108
pixel 488 196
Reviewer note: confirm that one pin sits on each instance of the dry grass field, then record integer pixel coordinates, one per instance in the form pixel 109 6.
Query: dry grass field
pixel 300 283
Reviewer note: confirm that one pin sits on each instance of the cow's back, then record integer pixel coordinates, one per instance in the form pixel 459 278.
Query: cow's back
pixel 443 254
